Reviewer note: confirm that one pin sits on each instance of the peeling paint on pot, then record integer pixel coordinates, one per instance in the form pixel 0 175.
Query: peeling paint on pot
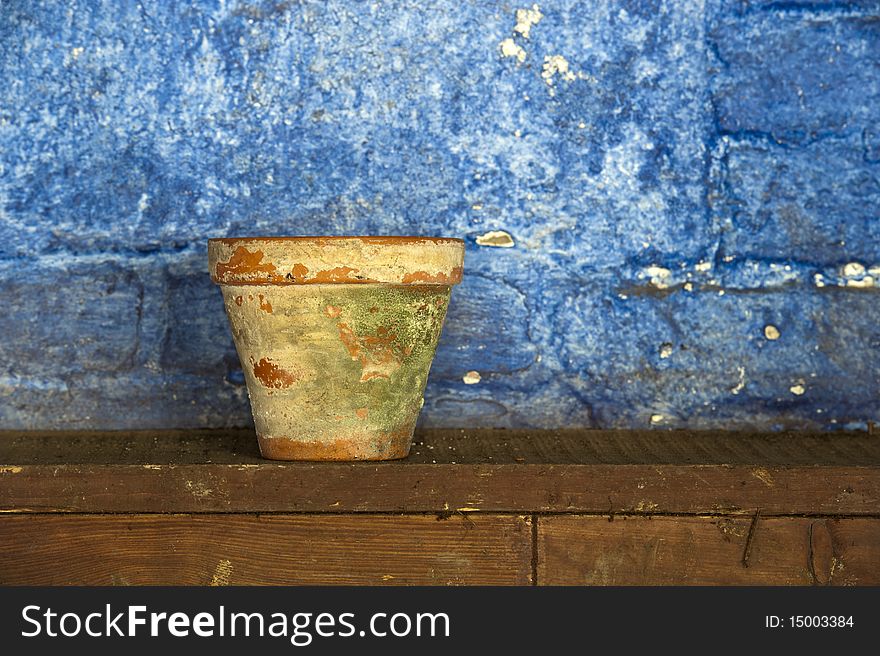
pixel 336 337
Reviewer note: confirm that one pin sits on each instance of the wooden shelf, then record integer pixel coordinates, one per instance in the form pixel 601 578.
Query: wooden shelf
pixel 462 470
pixel 467 507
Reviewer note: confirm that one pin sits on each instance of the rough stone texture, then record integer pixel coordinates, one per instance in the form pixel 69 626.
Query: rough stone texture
pixel 672 178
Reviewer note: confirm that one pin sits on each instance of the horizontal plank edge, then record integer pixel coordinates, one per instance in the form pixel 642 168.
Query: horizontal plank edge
pixel 523 471
pixel 334 488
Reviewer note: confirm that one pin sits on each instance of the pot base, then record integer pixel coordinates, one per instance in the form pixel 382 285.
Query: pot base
pixel 391 446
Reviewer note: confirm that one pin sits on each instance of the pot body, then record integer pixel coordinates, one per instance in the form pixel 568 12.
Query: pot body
pixel 335 371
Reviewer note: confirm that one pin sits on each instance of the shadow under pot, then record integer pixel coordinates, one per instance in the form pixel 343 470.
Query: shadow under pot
pixel 336 336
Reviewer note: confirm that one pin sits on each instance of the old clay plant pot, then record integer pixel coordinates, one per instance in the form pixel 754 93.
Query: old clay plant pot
pixel 336 336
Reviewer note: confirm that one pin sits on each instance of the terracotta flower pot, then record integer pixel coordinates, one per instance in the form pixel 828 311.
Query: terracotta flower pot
pixel 336 336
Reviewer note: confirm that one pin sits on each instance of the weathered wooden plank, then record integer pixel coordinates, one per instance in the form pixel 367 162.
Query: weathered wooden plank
pixel 579 550
pixel 258 550
pixel 460 446
pixel 612 489
pixel 490 471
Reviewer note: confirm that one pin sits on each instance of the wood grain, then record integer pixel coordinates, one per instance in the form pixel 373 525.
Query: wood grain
pixel 488 471
pixel 263 550
pixel 578 550
pixel 460 446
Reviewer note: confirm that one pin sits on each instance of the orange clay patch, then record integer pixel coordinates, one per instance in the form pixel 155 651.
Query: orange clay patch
pixel 382 446
pixel 271 375
pixel 338 274
pixel 379 354
pixel 437 278
pixel 332 311
pixel 239 300
pixel 265 306
pixel 244 263
pixel 361 413
pixel 299 272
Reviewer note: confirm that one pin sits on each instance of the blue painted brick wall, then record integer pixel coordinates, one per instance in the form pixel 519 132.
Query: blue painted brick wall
pixel 681 181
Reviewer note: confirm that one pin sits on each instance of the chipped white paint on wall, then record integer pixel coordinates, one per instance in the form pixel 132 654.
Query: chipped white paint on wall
pixel 856 275
pixel 741 383
pixel 659 276
pixel 852 274
pixel 867 281
pixel 526 19
pixel 556 65
pixel 472 378
pixel 510 48
pixel 496 238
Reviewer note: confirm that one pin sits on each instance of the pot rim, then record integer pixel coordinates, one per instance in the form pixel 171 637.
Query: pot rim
pixel 310 260
pixel 375 240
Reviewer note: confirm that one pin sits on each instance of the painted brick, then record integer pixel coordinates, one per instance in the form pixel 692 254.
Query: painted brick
pixel 65 319
pixel 142 399
pixel 818 203
pixel 826 345
pixel 795 71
